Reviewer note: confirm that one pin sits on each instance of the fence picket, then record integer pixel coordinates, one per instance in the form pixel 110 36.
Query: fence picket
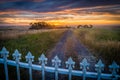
pixel 4 53
pixel 114 68
pixel 70 64
pixel 84 65
pixel 30 59
pixel 56 62
pixel 17 56
pixel 99 68
pixel 43 60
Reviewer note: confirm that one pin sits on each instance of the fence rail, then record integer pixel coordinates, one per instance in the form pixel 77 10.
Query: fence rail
pixel 56 62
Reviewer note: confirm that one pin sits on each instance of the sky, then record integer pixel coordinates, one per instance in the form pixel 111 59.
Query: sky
pixel 60 12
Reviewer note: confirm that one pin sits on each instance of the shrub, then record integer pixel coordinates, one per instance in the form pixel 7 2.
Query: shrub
pixel 40 25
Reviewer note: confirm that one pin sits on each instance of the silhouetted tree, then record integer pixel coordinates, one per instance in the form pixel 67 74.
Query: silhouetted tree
pixel 84 26
pixel 40 25
pixel 79 26
pixel 91 26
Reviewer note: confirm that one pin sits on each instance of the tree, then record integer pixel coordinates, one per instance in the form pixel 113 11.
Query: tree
pixel 91 26
pixel 85 26
pixel 40 25
pixel 79 26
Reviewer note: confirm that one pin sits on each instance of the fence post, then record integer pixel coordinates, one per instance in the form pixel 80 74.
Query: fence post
pixel 17 56
pixel 43 60
pixel 99 67
pixel 84 65
pixel 114 68
pixel 30 59
pixel 56 62
pixel 4 53
pixel 70 64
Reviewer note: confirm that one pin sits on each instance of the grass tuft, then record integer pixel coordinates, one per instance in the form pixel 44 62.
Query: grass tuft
pixel 104 43
pixel 35 43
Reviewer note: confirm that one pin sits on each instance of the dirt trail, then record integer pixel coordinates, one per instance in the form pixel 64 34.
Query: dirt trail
pixel 70 46
pixel 59 49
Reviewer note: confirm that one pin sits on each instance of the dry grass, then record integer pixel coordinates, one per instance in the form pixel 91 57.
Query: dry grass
pixel 104 43
pixel 37 42
pixel 12 34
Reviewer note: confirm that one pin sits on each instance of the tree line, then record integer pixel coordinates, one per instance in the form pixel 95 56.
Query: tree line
pixel 41 25
pixel 85 26
pixel 45 25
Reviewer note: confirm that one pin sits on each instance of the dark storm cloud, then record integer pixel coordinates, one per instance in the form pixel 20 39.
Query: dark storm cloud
pixel 52 5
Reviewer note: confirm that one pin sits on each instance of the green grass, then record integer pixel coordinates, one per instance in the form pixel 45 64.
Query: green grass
pixel 103 43
pixel 35 43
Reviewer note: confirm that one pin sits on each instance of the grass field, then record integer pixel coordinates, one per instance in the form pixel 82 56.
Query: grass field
pixel 103 43
pixel 35 43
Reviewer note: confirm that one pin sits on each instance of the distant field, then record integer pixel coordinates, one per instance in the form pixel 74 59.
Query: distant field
pixel 37 42
pixel 104 43
pixel 10 34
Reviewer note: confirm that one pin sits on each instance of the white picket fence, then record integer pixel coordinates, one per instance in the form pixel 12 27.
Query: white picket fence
pixel 56 62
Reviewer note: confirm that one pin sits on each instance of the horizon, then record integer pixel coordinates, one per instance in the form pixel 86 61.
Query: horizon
pixel 59 13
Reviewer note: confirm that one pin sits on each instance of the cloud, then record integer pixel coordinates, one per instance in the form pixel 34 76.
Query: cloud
pixel 3 1
pixel 70 10
pixel 37 0
pixel 53 5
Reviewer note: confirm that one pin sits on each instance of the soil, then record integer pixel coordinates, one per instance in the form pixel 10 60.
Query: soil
pixel 70 46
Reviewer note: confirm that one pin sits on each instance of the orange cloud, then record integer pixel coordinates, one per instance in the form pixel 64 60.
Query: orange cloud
pixel 73 16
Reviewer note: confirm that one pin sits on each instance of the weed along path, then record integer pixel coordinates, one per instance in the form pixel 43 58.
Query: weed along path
pixel 70 46
pixel 59 48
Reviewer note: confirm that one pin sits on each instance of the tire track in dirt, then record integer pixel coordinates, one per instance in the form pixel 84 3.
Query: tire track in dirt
pixel 78 52
pixel 59 48
pixel 70 46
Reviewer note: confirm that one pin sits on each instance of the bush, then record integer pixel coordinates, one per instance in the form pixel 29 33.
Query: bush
pixel 40 25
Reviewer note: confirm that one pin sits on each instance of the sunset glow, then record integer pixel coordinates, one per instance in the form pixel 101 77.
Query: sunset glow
pixel 65 14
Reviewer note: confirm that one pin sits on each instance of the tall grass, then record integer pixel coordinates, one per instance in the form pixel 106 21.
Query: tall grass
pixel 104 43
pixel 10 34
pixel 35 43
